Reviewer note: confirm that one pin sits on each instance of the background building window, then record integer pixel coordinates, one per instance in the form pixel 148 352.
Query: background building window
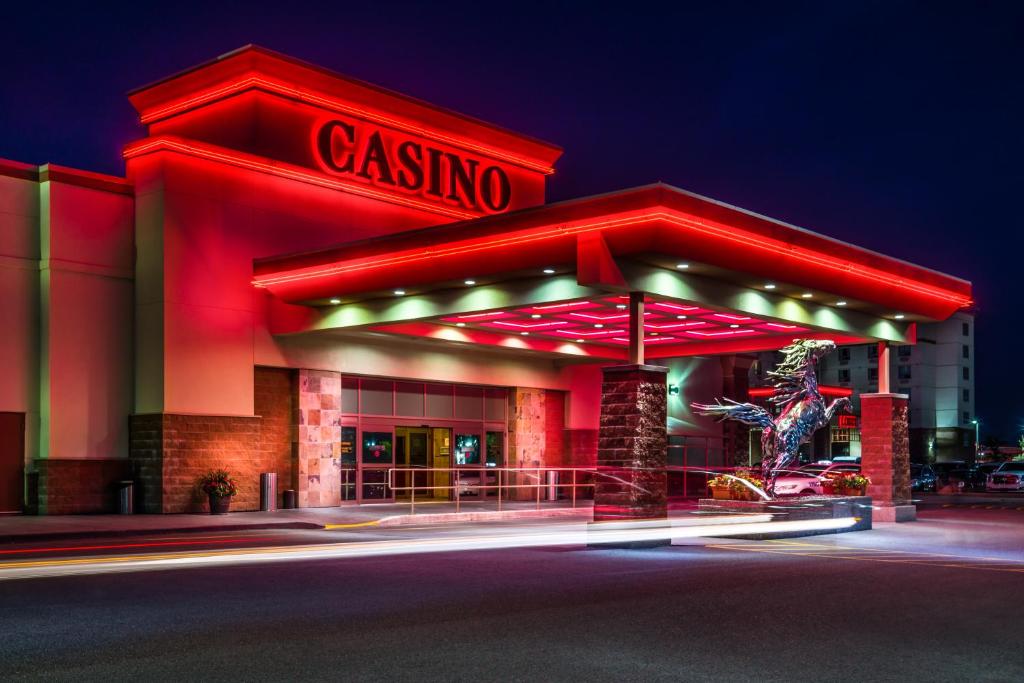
pixel 967 395
pixel 967 351
pixel 844 356
pixel 903 372
pixel 904 350
pixel 873 352
pixel 967 416
pixel 872 374
pixel 966 372
pixel 844 375
pixel 967 329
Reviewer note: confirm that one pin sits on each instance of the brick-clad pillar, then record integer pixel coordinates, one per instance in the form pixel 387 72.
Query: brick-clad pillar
pixel 316 466
pixel 536 434
pixel 632 444
pixel 885 455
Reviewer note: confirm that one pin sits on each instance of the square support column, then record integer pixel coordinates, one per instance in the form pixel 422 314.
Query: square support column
pixel 632 444
pixel 885 455
pixel 316 464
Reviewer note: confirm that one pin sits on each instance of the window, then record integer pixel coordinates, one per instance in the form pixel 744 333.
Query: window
pixel 967 351
pixel 967 329
pixel 967 395
pixel 904 350
pixel 967 416
pixel 844 375
pixel 903 372
pixel 377 448
pixel 966 373
pixel 844 356
pixel 467 449
pixel 495 449
pixel 873 352
pixel 872 374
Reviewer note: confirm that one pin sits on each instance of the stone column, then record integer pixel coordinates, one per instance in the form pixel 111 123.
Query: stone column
pixel 316 457
pixel 632 444
pixel 885 455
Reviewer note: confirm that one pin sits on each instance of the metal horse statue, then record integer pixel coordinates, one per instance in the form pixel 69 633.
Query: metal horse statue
pixel 803 411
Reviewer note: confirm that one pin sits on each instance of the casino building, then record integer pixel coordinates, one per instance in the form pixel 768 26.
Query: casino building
pixel 306 274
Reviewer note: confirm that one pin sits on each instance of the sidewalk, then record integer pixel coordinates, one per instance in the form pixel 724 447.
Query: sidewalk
pixel 25 528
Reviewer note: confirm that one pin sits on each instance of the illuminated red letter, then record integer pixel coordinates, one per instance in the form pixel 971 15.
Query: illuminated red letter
pixel 325 146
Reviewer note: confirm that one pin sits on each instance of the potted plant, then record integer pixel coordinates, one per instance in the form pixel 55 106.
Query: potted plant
pixel 732 486
pixel 720 487
pixel 220 487
pixel 850 484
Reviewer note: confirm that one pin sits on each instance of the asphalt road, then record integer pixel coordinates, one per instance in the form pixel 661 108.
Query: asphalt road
pixel 935 600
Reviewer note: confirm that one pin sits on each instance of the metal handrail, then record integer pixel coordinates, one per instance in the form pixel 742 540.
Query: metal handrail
pixel 537 474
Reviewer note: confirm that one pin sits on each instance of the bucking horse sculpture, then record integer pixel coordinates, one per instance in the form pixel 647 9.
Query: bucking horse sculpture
pixel 803 411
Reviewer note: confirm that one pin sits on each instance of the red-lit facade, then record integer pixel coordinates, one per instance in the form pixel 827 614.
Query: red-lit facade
pixel 301 272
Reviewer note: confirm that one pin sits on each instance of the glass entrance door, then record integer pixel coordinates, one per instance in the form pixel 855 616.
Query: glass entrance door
pixel 412 451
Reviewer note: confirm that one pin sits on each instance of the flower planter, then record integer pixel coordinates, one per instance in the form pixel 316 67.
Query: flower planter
pixel 219 504
pixel 721 493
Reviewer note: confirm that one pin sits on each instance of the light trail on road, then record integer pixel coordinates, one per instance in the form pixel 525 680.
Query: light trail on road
pixel 595 535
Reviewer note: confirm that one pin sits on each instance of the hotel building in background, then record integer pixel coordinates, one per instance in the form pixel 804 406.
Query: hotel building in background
pixel 305 274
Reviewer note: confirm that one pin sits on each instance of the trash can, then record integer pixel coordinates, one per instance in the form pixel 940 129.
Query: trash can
pixel 552 485
pixel 126 497
pixel 268 491
pixel 288 499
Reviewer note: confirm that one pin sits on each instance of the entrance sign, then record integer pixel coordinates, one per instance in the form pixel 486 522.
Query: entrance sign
pixel 386 159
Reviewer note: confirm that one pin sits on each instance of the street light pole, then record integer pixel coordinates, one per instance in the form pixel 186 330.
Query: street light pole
pixel 977 445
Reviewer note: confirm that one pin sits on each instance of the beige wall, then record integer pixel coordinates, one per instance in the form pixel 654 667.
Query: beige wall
pixel 19 301
pixel 85 275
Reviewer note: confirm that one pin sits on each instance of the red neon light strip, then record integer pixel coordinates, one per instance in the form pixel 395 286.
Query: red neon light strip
pixel 732 317
pixel 720 334
pixel 674 307
pixel 598 333
pixel 675 326
pixel 784 327
pixel 554 306
pixel 492 314
pixel 284 171
pixel 650 340
pixel 771 246
pixel 763 392
pixel 253 82
pixel 530 326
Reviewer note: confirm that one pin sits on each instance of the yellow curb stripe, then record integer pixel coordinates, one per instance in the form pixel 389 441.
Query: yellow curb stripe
pixel 353 525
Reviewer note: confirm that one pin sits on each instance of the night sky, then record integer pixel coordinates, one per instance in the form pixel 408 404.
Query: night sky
pixel 893 125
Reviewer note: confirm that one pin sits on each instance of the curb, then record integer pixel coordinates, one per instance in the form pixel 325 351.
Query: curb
pixel 103 533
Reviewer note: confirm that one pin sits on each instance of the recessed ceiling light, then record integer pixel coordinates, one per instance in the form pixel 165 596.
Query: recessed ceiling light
pixel 535 316
pixel 653 334
pixel 598 325
pixel 620 306
pixel 680 317
pixel 470 282
pixel 899 316
pixel 806 295
pixel 460 324
pixel 335 301
pixel 682 266
pixel 734 326
pixel 769 286
pixel 840 303
pixel 399 292
pixel 525 334
pixel 580 341
pixel 549 271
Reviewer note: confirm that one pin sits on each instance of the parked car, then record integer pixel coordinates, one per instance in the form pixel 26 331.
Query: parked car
pixel 1007 477
pixel 923 478
pixel 971 477
pixel 797 483
pixel 806 481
